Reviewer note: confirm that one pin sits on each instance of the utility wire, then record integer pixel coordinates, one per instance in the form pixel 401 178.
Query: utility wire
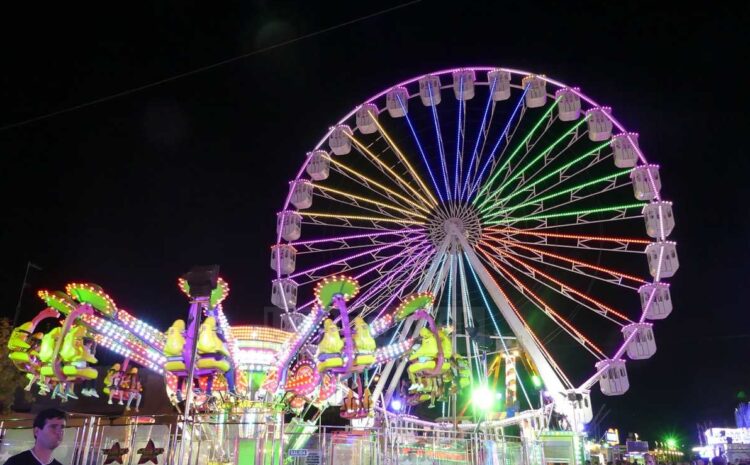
pixel 205 68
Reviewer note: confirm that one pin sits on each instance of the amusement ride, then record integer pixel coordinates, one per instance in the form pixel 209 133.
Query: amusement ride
pixel 460 230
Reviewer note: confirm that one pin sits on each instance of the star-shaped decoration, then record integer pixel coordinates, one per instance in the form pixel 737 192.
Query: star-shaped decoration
pixel 114 453
pixel 150 453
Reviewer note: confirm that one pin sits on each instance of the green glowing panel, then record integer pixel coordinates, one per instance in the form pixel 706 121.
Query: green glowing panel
pixel 337 285
pixel 413 303
pixel 59 301
pixel 93 295
pixel 218 294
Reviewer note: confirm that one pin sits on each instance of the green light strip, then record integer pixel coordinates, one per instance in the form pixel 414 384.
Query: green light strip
pixel 510 157
pixel 575 213
pixel 534 200
pixel 540 156
pixel 547 176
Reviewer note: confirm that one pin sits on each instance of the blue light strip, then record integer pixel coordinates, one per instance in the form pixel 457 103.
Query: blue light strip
pixel 450 289
pixel 421 150
pixel 440 144
pixel 476 144
pixel 456 181
pixel 503 135
pixel 494 323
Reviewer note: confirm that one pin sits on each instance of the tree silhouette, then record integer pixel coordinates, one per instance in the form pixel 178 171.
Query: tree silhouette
pixel 12 378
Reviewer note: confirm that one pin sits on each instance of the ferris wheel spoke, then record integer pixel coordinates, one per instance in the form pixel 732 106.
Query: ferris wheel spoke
pixel 346 261
pixel 375 267
pixel 347 224
pixel 481 132
pixel 519 171
pixel 579 216
pixel 561 288
pixel 441 147
pixel 369 183
pixel 574 266
pixel 370 219
pixel 548 160
pixel 381 287
pixel 395 285
pixel 494 322
pixel 367 153
pixel 575 195
pixel 404 161
pixel 504 135
pixel 560 373
pixel 577 241
pixel 420 148
pixel 546 117
pixel 350 241
pixel 468 319
pixel 553 315
pixel 593 157
pixel 611 181
pixel 459 141
pixel 359 202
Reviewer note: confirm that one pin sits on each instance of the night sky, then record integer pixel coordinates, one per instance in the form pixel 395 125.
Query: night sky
pixel 130 193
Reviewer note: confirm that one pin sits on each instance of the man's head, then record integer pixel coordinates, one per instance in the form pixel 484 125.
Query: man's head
pixel 49 426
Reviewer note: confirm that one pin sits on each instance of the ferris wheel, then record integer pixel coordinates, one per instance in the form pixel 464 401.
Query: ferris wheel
pixel 524 206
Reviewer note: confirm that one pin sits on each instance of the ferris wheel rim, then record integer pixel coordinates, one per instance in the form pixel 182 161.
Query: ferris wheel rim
pixel 657 198
pixel 412 80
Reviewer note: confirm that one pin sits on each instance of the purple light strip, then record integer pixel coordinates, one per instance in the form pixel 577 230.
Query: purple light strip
pixel 440 144
pixel 393 274
pixel 390 259
pixel 352 257
pixel 456 181
pixel 502 136
pixel 359 236
pixel 421 150
pixel 396 295
pixel 481 131
pixel 369 270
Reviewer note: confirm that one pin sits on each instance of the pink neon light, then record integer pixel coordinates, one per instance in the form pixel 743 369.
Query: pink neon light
pixel 352 257
pixel 359 236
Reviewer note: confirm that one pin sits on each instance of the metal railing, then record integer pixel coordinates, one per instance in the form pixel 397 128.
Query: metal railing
pixel 263 439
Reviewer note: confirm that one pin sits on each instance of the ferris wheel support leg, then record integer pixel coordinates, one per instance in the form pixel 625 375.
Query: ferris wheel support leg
pixel 552 382
pixel 406 331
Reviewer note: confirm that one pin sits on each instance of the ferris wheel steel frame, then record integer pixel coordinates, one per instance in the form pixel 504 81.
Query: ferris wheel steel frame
pixel 501 247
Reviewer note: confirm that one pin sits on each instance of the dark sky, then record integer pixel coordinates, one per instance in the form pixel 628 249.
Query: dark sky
pixel 129 193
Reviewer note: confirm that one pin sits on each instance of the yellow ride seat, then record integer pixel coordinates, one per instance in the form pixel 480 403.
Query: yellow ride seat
pixel 175 339
pixel 330 347
pixel 364 344
pixel 47 348
pixel 208 341
pixel 17 340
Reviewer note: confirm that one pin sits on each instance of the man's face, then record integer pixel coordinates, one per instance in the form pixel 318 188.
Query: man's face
pixel 51 435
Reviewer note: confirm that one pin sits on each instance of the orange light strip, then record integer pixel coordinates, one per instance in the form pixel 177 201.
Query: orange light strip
pixel 358 217
pixel 403 158
pixel 385 166
pixel 365 199
pixel 375 183
pixel 260 333
pixel 545 306
pixel 570 260
pixel 526 325
pixel 559 283
pixel 568 236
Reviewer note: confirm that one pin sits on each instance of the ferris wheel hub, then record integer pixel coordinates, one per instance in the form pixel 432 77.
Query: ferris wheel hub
pixel 455 219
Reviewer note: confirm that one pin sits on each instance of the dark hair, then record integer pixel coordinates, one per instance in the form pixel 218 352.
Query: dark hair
pixel 41 418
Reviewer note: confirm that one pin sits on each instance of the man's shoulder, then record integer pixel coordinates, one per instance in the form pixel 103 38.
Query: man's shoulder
pixel 23 458
pixel 27 458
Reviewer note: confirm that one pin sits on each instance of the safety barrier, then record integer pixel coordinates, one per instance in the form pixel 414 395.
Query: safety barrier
pixel 262 439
